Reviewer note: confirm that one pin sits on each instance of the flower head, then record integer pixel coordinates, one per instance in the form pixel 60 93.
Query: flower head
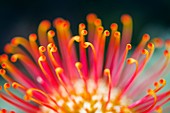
pixel 86 73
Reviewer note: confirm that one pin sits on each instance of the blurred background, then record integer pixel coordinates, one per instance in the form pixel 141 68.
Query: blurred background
pixel 22 17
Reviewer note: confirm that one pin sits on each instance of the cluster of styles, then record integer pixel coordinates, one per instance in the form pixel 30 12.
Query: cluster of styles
pixel 91 72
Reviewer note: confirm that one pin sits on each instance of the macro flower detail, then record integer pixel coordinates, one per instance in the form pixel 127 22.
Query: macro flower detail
pixel 92 72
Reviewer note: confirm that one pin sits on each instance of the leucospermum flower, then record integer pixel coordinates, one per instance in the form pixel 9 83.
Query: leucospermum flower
pixel 91 72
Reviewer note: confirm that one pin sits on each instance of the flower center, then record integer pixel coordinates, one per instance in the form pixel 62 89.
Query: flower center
pixel 93 99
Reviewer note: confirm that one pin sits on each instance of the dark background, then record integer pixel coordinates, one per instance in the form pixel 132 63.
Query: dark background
pixel 21 17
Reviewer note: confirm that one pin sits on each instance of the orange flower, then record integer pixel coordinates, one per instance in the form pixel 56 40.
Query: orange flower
pixel 87 73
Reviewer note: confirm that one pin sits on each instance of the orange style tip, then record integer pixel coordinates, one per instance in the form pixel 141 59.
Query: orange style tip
pixel 15 85
pixel 78 65
pixel 146 37
pixel 156 84
pixel 66 24
pixel 126 19
pixel 12 112
pixel 159 109
pixel 129 46
pixel 91 17
pixel 4 111
pixel 106 33
pixel 84 32
pixel 150 91
pixel 7 48
pixel 58 22
pixel 76 38
pixel 100 29
pixel 59 70
pixel 0 88
pixel 29 93
pixel 162 81
pixel 44 25
pixel 13 58
pixel 166 52
pixel 116 34
pixel 130 60
pixel 6 85
pixel 144 51
pixel 150 45
pixel 53 49
pixel 14 41
pixel 27 98
pixel 51 33
pixel 42 49
pixel 158 42
pixel 167 43
pixel 114 26
pixel 97 22
pixel 3 65
pixel 106 72
pixel 42 58
pixel 82 26
pixel 50 45
pixel 86 44
pixel 32 37
pixel 4 57
pixel 2 72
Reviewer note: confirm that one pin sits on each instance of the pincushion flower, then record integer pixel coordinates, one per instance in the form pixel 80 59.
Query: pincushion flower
pixel 91 72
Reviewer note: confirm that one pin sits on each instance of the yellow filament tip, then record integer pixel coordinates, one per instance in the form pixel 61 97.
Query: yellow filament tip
pixel 152 93
pixel 117 34
pixel 151 46
pixel 144 51
pixel 162 81
pixel 59 71
pixel 2 72
pixel 51 47
pixel 107 72
pixel 4 65
pixel 100 29
pixel 106 33
pixel 42 58
pixel 159 109
pixel 87 44
pixel 51 33
pixel 78 65
pixel 131 60
pixel 16 85
pixel 6 85
pixel 82 26
pixel 128 46
pixel 84 32
pixel 14 58
pixel 42 49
